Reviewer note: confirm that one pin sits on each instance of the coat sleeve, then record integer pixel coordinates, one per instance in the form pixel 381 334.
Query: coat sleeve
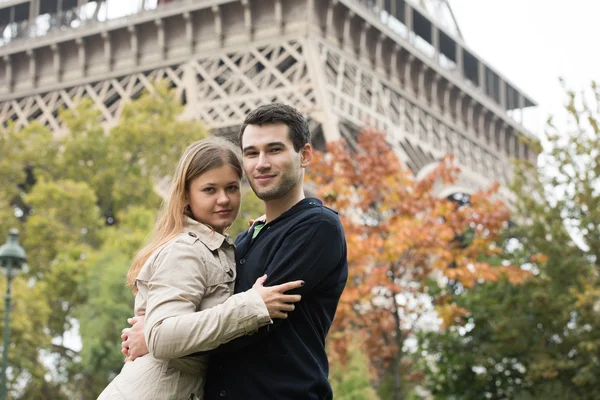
pixel 310 253
pixel 173 327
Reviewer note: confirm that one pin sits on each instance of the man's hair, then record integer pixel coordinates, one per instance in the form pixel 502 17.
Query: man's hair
pixel 278 113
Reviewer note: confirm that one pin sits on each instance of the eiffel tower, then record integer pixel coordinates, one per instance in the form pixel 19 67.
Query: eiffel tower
pixel 401 66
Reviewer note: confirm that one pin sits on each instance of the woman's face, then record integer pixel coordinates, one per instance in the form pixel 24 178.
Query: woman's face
pixel 214 197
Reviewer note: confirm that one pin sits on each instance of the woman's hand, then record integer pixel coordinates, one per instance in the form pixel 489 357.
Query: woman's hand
pixel 134 342
pixel 278 303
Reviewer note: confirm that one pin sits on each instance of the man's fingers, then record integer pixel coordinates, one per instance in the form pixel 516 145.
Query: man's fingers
pixel 290 298
pixel 284 287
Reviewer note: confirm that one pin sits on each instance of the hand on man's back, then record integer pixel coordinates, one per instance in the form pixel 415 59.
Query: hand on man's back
pixel 134 342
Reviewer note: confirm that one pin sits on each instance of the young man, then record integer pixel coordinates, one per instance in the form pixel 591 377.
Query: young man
pixel 300 239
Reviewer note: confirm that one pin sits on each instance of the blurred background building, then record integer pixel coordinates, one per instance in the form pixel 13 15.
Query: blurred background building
pixel 398 65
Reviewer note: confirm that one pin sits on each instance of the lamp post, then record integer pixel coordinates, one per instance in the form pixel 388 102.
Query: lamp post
pixel 12 257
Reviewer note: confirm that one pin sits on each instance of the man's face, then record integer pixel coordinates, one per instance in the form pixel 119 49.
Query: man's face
pixel 271 163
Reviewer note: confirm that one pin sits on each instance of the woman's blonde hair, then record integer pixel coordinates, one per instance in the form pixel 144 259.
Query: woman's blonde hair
pixel 198 158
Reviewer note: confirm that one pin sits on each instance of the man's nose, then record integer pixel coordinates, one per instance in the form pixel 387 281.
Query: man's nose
pixel 263 162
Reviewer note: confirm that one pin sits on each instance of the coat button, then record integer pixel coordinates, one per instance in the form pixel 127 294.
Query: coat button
pixel 242 261
pixel 222 393
pixel 192 234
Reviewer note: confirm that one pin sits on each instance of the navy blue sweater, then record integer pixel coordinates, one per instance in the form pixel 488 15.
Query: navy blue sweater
pixel 286 360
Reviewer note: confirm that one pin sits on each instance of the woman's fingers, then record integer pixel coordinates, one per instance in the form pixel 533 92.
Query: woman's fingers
pixel 260 281
pixel 284 287
pixel 286 307
pixel 279 315
pixel 290 298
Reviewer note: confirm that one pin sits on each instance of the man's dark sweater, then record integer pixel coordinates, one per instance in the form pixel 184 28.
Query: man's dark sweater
pixel 286 360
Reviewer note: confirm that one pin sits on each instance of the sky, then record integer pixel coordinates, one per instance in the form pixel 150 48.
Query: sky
pixel 533 43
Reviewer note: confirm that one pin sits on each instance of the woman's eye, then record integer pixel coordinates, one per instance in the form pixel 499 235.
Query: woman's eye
pixel 233 188
pixel 208 190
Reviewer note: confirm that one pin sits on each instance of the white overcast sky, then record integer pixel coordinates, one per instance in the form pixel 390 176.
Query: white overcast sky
pixel 533 43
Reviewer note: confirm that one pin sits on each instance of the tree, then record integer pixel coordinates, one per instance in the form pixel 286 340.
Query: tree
pixel 352 381
pixel 399 234
pixel 84 200
pixel 540 339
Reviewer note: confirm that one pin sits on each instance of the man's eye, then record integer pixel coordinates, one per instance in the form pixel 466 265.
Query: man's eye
pixel 251 154
pixel 275 149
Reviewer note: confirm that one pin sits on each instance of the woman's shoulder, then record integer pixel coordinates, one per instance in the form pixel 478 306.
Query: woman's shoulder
pixel 183 246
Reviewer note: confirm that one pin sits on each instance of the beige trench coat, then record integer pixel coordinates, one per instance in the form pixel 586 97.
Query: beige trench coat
pixel 185 290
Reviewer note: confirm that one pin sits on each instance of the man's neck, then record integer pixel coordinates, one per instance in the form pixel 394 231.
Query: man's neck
pixel 274 208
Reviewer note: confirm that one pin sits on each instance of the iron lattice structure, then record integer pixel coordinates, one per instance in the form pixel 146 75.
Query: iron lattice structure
pixel 346 64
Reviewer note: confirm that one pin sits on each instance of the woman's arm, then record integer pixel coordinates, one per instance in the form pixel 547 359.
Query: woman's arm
pixel 173 327
pixel 278 304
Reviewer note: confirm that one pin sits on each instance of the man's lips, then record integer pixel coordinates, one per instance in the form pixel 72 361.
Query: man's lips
pixel 263 178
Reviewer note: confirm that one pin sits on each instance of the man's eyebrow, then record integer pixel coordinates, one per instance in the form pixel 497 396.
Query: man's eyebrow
pixel 275 144
pixel 271 144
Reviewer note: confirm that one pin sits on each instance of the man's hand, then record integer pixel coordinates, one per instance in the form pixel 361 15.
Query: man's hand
pixel 262 218
pixel 134 342
pixel 278 303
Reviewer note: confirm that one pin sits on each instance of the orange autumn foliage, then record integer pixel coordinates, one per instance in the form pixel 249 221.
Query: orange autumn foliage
pixel 399 235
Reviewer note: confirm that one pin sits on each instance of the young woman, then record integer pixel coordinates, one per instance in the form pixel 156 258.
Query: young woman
pixel 184 280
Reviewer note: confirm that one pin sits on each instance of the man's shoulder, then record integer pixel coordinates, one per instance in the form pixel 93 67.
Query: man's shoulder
pixel 321 213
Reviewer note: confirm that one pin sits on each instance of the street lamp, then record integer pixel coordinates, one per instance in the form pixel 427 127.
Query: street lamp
pixel 12 257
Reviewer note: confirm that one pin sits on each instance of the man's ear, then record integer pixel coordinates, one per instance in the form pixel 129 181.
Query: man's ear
pixel 306 155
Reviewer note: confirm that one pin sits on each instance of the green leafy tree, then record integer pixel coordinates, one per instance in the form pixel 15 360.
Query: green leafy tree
pixel 539 340
pixel 352 381
pixel 109 302
pixel 84 200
